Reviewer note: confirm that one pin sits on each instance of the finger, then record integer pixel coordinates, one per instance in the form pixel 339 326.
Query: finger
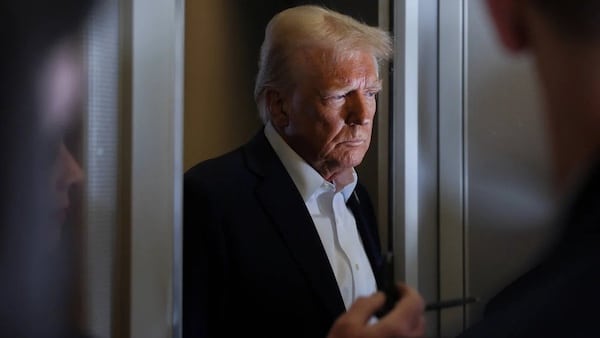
pixel 420 329
pixel 417 329
pixel 411 296
pixel 407 317
pixel 364 307
pixel 400 327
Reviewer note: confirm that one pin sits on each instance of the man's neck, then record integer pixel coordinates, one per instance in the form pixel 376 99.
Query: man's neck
pixel 342 179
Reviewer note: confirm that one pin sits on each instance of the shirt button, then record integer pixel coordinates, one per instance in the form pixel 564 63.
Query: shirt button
pixel 356 266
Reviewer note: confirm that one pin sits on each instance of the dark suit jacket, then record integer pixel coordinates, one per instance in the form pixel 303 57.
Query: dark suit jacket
pixel 253 261
pixel 561 296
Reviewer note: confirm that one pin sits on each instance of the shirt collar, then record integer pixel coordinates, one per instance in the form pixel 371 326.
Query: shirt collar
pixel 305 177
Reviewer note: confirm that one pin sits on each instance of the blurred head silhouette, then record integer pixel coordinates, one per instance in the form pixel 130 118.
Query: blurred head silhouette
pixel 40 87
pixel 563 37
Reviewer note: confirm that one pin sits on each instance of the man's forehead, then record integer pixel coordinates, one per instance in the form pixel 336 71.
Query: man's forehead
pixel 329 62
pixel 331 54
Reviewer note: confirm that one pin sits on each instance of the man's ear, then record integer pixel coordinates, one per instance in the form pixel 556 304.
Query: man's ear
pixel 277 107
pixel 509 19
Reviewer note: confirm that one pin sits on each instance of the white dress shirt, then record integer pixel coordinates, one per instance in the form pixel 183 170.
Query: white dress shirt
pixel 333 220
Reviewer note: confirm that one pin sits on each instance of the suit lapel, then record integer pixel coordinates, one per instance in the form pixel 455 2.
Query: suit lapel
pixel 283 203
pixel 369 239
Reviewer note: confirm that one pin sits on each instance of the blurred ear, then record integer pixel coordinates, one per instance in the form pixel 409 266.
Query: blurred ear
pixel 509 19
pixel 277 108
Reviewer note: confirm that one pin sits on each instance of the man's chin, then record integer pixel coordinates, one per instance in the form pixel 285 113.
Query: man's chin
pixel 349 162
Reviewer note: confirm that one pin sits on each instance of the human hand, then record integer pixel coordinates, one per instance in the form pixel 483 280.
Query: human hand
pixel 406 319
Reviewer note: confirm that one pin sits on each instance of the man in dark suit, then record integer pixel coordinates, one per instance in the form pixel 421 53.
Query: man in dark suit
pixel 280 238
pixel 560 296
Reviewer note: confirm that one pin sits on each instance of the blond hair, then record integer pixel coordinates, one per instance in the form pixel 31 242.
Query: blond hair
pixel 311 26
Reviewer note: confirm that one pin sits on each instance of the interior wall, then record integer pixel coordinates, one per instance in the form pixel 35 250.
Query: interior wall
pixel 219 111
pixel 509 195
pixel 481 132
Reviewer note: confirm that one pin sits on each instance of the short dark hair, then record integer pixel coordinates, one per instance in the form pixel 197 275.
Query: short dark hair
pixel 575 19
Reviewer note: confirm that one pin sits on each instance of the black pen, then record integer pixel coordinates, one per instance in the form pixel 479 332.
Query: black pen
pixel 450 303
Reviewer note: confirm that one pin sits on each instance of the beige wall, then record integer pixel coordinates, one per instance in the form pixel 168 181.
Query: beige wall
pixel 219 113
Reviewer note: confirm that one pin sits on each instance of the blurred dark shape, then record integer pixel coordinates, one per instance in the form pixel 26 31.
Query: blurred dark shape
pixel 34 273
pixel 576 19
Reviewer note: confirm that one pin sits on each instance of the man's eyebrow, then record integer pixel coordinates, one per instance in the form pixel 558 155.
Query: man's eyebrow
pixel 377 85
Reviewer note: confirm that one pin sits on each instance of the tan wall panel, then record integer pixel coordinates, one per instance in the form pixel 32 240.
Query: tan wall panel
pixel 219 114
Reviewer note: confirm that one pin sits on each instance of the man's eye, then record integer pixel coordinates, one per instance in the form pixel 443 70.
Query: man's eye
pixel 372 93
pixel 334 98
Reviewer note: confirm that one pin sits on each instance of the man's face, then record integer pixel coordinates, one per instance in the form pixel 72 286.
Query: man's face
pixel 330 109
pixel 60 89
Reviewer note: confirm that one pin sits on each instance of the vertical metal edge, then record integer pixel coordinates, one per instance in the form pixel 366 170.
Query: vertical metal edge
pixel 451 170
pixel 122 292
pixel 465 115
pixel 391 169
pixel 383 137
pixel 177 286
pixel 397 142
pixel 406 141
pixel 155 121
pixel 428 158
pixel 101 166
pixel 411 150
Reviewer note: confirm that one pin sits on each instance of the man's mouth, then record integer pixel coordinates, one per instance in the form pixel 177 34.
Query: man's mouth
pixel 354 142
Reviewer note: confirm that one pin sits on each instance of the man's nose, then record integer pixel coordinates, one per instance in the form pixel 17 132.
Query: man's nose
pixel 75 171
pixel 360 109
pixel 71 172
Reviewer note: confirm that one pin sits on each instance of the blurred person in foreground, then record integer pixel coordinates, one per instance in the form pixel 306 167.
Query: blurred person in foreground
pixel 280 237
pixel 559 297
pixel 41 76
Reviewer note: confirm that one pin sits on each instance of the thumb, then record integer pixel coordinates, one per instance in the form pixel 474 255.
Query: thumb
pixel 365 307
